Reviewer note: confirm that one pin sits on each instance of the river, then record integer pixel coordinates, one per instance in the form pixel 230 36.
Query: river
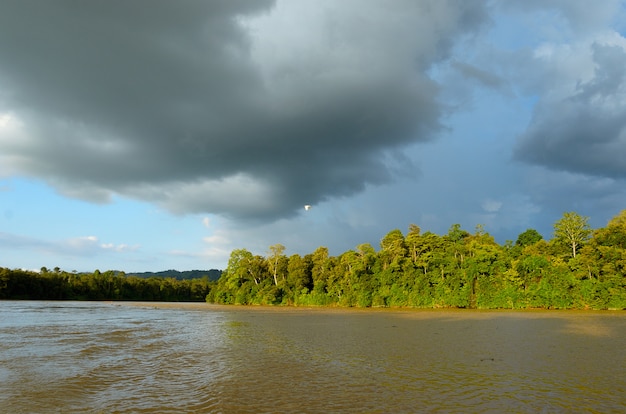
pixel 97 357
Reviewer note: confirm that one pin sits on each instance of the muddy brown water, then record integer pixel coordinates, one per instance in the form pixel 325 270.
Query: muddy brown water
pixel 96 357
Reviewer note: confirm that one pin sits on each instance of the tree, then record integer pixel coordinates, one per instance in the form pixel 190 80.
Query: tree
pixel 321 265
pixel 483 263
pixel 299 273
pixel 456 233
pixel 276 252
pixel 412 241
pixel 530 236
pixel 393 250
pixel 572 229
pixel 238 268
pixel 367 253
pixel 614 234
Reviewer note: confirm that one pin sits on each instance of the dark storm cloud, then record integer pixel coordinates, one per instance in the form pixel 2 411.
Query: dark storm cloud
pixel 586 131
pixel 187 105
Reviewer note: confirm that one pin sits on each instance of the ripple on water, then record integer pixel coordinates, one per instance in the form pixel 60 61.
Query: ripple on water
pixel 128 360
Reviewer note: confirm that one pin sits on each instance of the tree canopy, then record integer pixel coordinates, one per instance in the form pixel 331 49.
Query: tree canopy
pixel 578 268
pixel 572 229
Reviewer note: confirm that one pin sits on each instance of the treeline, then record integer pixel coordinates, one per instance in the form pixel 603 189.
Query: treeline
pixel 110 285
pixel 579 268
pixel 212 274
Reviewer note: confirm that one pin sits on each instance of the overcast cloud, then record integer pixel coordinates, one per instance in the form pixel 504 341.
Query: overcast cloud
pixel 584 131
pixel 224 107
pixel 226 117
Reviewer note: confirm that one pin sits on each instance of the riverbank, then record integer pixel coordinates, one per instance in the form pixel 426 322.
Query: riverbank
pixel 426 312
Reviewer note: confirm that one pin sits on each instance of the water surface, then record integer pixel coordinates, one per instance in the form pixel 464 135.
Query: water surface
pixel 92 357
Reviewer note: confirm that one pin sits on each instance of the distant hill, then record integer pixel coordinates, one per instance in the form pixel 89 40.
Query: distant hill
pixel 212 274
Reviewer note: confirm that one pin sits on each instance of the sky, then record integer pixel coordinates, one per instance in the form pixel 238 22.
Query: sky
pixel 148 135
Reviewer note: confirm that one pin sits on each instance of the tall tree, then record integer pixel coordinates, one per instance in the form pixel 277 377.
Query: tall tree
pixel 412 241
pixel 368 255
pixel 237 270
pixel 393 249
pixel 299 273
pixel 276 252
pixel 572 229
pixel 321 266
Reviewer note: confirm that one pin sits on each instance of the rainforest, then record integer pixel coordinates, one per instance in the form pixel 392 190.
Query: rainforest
pixel 57 284
pixel 578 268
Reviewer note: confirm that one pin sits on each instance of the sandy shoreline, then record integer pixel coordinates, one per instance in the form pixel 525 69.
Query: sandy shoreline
pixel 171 305
pixel 448 312
pixel 203 306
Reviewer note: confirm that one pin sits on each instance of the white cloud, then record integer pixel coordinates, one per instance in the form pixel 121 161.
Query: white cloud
pixel 206 222
pixel 82 242
pixel 491 206
pixel 120 248
pixel 215 250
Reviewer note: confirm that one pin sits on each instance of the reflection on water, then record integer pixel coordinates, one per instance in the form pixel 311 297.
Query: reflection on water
pixel 77 357
pixel 97 357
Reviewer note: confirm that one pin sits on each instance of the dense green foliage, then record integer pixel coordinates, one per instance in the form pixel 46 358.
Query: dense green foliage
pixel 577 269
pixel 60 285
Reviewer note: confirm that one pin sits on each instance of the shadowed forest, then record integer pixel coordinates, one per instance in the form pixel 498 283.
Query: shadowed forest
pixel 57 284
pixel 579 268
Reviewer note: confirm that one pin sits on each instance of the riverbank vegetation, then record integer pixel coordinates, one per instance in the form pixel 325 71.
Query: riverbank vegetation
pixel 57 284
pixel 579 268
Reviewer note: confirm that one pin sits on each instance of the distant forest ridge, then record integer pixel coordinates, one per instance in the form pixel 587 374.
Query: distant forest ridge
pixel 213 274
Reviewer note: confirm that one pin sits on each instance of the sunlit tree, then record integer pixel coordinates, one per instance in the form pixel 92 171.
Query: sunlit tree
pixel 573 230
pixel 273 259
pixel 530 236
